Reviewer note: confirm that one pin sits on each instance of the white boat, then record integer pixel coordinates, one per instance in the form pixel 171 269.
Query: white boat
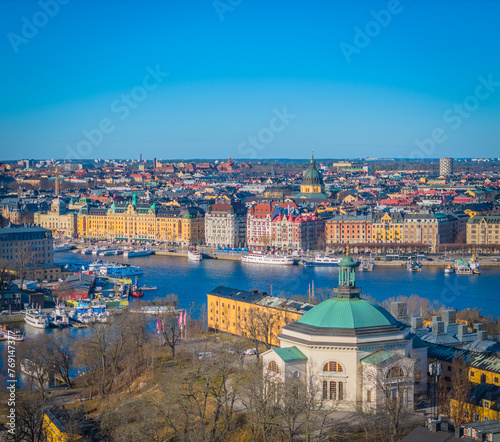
pixel 11 333
pixel 194 255
pixel 136 253
pixel 98 250
pixel 31 369
pixel 59 318
pixel 474 265
pixel 63 247
pixel 36 318
pixel 448 270
pixel 366 265
pixel 87 251
pixel 322 261
pixel 108 252
pixel 463 270
pixel 412 265
pixel 262 258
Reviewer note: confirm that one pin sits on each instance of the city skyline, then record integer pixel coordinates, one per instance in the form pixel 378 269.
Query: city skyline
pixel 249 80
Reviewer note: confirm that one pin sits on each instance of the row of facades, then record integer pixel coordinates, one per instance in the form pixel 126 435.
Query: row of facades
pixel 280 225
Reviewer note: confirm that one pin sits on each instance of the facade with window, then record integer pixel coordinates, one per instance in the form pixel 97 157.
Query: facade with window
pixel 349 229
pixel 26 245
pixel 351 351
pixel 483 230
pixel 226 224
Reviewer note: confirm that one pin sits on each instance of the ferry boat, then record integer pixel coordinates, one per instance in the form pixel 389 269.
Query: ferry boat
pixel 63 247
pixel 136 292
pixel 413 265
pixel 11 333
pixel 136 253
pixel 59 318
pixel 263 258
pixel 322 261
pixel 194 255
pixel 36 318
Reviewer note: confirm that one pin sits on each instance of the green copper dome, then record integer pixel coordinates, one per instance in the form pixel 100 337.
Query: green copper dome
pixel 347 261
pixel 312 177
pixel 348 313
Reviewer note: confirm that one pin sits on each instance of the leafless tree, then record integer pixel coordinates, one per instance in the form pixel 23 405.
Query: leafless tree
pixel 30 424
pixel 391 405
pixel 61 354
pixel 6 274
pixel 461 389
pixel 169 323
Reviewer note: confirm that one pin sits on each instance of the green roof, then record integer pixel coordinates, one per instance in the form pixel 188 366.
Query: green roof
pixel 348 313
pixel 290 354
pixel 378 357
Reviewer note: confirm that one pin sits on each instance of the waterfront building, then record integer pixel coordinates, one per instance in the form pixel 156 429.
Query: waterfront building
pixel 60 220
pixel 297 232
pixel 225 224
pixel 387 227
pixel 238 312
pixel 259 219
pixel 143 222
pixel 26 244
pixel 20 210
pixel 349 229
pixel 445 166
pixel 432 228
pixel 351 351
pixel 483 230
pixel 312 185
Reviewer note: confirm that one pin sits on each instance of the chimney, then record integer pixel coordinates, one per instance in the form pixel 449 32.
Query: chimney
pixel 478 327
pixel 459 432
pixel 436 318
pixel 398 309
pixel 435 426
pixel 437 327
pixel 482 335
pixel 462 330
pixel 449 316
pixel 417 322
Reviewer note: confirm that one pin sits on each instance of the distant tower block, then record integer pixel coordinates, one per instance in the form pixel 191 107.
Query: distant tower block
pixel 445 166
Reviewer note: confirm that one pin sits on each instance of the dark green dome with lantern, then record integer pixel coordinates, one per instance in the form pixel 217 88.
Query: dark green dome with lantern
pixel 312 183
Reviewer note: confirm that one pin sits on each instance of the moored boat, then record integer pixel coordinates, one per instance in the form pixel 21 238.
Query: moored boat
pixel 195 255
pixel 366 265
pixel 36 318
pixel 262 258
pixel 449 270
pixel 413 265
pixel 136 253
pixel 322 261
pixel 11 333
pixel 63 247
pixel 59 318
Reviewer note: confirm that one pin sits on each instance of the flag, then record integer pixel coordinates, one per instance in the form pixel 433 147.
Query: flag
pixel 180 319
pixel 162 325
pixel 158 325
pixel 185 313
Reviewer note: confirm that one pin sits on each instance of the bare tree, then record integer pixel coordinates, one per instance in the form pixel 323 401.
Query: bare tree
pixel 461 389
pixel 169 323
pixel 30 424
pixel 61 354
pixel 6 274
pixel 391 399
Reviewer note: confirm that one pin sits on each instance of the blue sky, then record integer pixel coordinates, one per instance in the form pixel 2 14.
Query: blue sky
pixel 348 85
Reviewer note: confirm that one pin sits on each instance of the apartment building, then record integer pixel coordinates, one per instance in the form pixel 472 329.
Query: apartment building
pixel 225 224
pixel 27 244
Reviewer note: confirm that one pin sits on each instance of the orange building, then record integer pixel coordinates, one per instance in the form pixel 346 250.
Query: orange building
pixel 349 229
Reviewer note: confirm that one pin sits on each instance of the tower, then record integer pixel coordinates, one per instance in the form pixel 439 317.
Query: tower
pixel 57 183
pixel 445 166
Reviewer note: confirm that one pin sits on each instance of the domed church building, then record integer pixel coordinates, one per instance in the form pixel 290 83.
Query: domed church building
pixel 312 185
pixel 351 351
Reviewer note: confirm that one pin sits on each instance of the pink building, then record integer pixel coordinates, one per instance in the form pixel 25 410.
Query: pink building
pixel 296 232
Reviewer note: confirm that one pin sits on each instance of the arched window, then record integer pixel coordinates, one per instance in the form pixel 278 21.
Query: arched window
pixel 273 366
pixel 395 372
pixel 333 390
pixel 333 366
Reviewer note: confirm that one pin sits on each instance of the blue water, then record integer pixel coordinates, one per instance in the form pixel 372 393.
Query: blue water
pixel 191 281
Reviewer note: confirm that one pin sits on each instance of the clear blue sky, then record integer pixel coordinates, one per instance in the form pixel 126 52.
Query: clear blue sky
pixel 231 69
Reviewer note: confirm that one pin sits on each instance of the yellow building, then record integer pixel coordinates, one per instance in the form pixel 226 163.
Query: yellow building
pixel 387 227
pixel 251 314
pixel 54 428
pixel 142 222
pixel 58 219
pixel 312 185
